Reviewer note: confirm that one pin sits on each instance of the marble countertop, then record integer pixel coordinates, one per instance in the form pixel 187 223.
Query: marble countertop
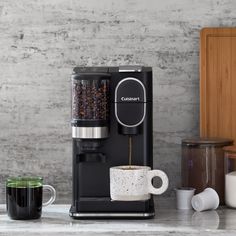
pixel 168 221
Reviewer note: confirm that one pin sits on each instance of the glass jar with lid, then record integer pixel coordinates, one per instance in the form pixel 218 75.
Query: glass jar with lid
pixel 203 164
pixel 230 176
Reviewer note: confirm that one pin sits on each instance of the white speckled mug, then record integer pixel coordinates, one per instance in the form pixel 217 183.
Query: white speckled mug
pixel 134 183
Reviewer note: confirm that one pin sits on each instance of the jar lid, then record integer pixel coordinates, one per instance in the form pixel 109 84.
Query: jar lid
pixel 231 149
pixel 197 141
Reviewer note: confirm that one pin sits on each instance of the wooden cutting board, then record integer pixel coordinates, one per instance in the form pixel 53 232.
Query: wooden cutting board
pixel 218 83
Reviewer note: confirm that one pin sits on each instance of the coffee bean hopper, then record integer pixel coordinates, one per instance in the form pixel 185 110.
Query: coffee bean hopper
pixel 109 104
pixel 90 96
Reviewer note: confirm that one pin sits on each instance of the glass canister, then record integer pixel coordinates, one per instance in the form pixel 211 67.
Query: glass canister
pixel 230 176
pixel 90 105
pixel 203 164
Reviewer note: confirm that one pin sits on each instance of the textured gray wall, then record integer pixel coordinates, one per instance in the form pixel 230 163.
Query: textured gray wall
pixel 42 40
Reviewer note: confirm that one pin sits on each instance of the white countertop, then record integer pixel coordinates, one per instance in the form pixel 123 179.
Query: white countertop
pixel 56 221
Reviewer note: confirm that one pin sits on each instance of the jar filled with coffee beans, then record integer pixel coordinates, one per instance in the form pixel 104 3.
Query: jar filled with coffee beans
pixel 90 98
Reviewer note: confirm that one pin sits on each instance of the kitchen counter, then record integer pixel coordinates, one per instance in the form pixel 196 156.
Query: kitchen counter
pixel 168 221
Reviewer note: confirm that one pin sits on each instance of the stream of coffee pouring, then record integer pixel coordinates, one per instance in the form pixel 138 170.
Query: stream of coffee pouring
pixel 130 151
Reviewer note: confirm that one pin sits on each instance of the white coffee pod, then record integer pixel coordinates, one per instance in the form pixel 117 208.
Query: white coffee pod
pixel 184 197
pixel 206 200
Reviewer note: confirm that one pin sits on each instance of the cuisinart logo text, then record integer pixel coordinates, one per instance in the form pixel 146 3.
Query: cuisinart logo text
pixel 130 99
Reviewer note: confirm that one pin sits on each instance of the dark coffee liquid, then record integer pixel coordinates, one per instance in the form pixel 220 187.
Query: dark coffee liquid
pixel 24 203
pixel 129 168
pixel 130 151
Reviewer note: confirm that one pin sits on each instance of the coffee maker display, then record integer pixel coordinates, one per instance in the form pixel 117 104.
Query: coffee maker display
pixel 111 126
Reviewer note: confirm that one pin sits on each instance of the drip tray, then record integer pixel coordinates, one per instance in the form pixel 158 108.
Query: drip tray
pixel 112 215
pixel 106 208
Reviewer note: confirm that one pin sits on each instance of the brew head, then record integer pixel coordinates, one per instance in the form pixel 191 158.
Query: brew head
pixel 130 105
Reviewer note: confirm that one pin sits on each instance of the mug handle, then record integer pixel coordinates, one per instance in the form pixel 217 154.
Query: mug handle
pixel 53 195
pixel 165 181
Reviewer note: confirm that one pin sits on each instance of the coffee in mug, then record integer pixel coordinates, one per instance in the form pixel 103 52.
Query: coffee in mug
pixel 134 183
pixel 24 197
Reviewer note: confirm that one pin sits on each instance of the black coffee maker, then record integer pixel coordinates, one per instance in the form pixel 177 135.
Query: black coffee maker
pixel 109 105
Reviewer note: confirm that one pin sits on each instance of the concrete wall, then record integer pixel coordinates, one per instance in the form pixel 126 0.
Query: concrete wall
pixel 40 42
